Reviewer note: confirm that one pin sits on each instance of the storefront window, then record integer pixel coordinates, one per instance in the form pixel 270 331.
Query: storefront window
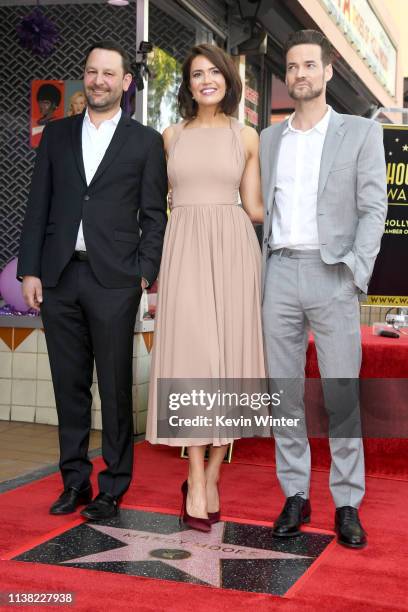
pixel 165 73
pixel 172 35
pixel 281 102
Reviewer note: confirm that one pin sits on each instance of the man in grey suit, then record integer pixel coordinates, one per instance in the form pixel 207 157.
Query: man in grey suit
pixel 324 189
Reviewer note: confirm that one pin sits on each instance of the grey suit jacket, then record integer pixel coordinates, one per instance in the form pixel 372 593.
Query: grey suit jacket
pixel 352 192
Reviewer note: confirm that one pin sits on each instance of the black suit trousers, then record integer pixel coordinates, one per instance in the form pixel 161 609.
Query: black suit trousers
pixel 84 321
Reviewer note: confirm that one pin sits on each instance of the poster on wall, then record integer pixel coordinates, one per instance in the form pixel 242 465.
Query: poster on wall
pixel 51 100
pixel 389 283
pixel 47 104
pixel 74 98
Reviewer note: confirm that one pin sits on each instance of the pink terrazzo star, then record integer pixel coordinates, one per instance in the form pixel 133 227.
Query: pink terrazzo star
pixel 204 550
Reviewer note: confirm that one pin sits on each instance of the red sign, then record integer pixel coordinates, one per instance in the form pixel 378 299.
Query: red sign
pixel 251 115
pixel 251 95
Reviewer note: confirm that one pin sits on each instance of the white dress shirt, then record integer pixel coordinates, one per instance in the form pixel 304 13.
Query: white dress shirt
pixel 294 220
pixel 95 141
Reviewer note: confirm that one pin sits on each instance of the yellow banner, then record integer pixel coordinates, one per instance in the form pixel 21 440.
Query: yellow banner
pixel 396 301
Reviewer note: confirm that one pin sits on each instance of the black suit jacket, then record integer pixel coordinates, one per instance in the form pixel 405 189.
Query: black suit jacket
pixel 123 209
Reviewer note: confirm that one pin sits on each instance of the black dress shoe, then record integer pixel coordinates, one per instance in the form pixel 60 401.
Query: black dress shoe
pixel 348 528
pixel 70 499
pixel 296 511
pixel 104 506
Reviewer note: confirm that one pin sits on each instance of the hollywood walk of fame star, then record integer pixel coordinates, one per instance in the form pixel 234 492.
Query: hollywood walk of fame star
pixel 197 554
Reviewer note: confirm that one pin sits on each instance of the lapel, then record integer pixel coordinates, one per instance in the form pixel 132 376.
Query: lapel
pixel 334 136
pixel 77 143
pixel 272 159
pixel 118 140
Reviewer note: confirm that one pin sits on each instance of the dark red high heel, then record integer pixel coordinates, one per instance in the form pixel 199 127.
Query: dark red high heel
pixel 214 517
pixel 201 524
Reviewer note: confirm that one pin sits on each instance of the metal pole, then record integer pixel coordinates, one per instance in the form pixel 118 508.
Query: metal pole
pixel 142 33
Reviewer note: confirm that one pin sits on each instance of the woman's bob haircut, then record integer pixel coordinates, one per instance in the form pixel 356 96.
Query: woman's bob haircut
pixel 224 63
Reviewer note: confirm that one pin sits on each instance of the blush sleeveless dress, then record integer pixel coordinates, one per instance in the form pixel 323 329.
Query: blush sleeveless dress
pixel 208 316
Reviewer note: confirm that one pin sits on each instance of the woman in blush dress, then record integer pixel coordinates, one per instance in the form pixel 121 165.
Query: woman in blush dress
pixel 208 320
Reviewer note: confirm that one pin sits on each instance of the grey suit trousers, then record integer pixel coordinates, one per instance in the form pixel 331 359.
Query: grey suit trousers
pixel 302 292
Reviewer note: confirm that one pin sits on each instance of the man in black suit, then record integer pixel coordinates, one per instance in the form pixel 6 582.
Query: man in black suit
pixel 91 242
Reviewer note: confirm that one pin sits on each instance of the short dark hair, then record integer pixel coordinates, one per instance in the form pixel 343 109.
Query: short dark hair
pixel 224 63
pixel 111 45
pixel 49 92
pixel 311 37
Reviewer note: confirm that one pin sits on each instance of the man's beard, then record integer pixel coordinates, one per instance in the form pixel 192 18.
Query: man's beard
pixel 305 94
pixel 102 105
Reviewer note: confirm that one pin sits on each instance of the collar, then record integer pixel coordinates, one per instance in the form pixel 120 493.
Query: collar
pixel 115 119
pixel 321 126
